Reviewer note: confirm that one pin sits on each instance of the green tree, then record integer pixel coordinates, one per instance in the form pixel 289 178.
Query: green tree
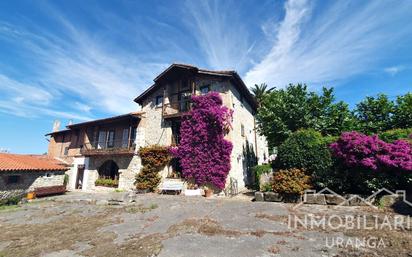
pixel 402 116
pixel 374 114
pixel 284 111
pixel 259 91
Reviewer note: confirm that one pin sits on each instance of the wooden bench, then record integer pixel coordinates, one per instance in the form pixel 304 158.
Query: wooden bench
pixel 52 190
pixel 171 185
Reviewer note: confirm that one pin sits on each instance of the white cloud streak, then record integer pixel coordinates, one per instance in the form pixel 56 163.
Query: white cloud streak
pixel 221 36
pixel 75 68
pixel 332 44
pixel 393 70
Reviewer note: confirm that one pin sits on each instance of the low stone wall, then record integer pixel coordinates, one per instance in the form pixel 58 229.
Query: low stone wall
pixel 12 193
pixel 328 199
pixel 28 182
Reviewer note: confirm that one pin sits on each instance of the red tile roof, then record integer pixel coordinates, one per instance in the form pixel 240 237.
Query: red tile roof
pixel 20 162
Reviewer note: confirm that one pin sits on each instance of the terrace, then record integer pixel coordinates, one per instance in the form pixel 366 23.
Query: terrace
pixel 109 146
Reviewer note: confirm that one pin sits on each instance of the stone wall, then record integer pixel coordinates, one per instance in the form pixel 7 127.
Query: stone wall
pixel 129 166
pixel 154 129
pixel 29 181
pixel 243 116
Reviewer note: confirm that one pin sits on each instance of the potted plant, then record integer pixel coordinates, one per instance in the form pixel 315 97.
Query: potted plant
pixel 208 191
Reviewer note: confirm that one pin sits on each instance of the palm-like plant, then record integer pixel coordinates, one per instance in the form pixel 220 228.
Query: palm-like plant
pixel 259 91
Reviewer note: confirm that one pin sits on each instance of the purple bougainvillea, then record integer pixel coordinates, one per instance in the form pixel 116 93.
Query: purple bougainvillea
pixel 359 150
pixel 203 151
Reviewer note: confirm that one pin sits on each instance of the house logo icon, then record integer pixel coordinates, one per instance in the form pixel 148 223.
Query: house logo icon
pixel 345 201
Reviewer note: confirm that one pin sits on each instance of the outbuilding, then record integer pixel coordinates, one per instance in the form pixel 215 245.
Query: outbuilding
pixel 21 174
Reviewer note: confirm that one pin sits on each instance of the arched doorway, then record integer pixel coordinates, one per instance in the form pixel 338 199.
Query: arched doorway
pixel 109 170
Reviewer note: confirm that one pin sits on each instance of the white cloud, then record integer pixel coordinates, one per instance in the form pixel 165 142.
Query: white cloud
pixel 33 111
pixel 20 92
pixel 82 107
pixel 335 42
pixel 75 67
pixel 221 36
pixel 393 70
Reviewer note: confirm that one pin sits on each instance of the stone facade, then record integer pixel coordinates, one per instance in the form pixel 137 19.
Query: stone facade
pixel 154 128
pixel 129 166
pixel 28 182
pixel 159 131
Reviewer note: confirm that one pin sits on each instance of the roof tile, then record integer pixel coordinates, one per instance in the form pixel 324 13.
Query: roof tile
pixel 20 162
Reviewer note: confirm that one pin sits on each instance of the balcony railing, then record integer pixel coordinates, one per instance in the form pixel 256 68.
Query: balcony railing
pixel 177 105
pixel 117 146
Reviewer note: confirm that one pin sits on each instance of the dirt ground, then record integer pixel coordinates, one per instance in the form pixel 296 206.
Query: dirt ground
pixel 117 224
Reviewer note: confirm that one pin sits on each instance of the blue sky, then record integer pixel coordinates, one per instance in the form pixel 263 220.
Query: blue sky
pixel 81 60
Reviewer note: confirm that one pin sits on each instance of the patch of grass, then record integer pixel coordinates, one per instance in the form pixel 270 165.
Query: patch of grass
pixel 381 204
pixel 153 206
pixel 6 208
pixel 118 190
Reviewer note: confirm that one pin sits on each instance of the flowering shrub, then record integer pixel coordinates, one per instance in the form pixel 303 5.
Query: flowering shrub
pixel 290 181
pixel 203 152
pixel 369 152
pixel 154 158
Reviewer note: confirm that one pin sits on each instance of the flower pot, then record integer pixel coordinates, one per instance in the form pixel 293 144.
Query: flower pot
pixel 31 195
pixel 208 192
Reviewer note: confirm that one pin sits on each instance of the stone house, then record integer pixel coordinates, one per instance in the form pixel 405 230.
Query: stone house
pixel 20 174
pixel 108 147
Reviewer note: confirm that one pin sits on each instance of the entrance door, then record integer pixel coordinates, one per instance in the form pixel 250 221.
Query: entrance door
pixel 79 178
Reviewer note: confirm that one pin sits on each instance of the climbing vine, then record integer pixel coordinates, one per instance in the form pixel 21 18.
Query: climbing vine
pixel 154 159
pixel 203 151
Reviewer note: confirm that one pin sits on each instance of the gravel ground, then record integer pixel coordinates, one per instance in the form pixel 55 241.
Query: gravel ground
pixel 109 224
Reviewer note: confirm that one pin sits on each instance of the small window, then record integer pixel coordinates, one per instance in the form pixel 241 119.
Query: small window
pixel 48 175
pixel 204 89
pixel 110 139
pixel 125 138
pixel 159 101
pixel 13 179
pixel 66 150
pixel 242 130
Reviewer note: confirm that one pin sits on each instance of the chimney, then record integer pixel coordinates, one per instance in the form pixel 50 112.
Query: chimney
pixel 56 125
pixel 70 122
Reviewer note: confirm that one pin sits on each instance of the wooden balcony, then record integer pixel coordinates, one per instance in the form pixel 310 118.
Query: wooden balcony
pixel 176 105
pixel 108 147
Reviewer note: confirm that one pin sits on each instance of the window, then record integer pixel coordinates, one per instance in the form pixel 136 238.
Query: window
pixel 13 179
pixel 242 130
pixel 125 138
pixel 159 101
pixel 204 89
pixel 133 135
pixel 48 175
pixel 110 139
pixel 101 142
pixel 66 150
